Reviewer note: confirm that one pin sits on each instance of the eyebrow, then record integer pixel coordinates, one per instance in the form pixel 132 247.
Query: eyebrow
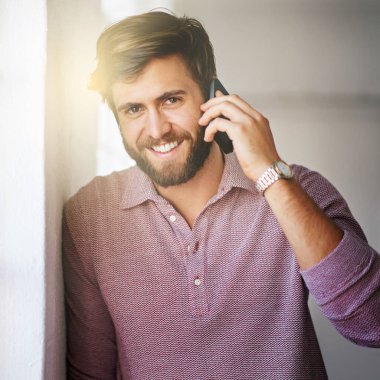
pixel 162 97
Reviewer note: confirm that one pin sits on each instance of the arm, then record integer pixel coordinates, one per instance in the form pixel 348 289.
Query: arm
pixel 339 268
pixel 309 231
pixel 91 347
pixel 345 284
pixel 311 234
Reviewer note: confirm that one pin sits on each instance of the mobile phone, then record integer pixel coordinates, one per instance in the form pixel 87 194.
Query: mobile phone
pixel 224 142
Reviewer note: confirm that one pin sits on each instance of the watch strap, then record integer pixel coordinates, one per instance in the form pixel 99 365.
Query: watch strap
pixel 279 169
pixel 269 177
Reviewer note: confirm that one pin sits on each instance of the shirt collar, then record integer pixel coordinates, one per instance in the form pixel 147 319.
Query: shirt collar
pixel 233 176
pixel 140 188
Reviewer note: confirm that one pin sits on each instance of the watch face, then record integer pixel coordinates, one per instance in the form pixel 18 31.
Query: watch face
pixel 284 169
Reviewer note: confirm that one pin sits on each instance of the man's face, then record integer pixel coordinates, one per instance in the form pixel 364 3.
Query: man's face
pixel 158 116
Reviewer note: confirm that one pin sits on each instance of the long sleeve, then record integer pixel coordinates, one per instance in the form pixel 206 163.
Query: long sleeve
pixel 91 347
pixel 346 284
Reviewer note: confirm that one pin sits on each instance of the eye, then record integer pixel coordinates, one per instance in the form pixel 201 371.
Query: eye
pixel 133 109
pixel 172 100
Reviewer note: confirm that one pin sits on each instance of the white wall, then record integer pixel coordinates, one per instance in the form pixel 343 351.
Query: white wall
pixel 22 222
pixel 70 144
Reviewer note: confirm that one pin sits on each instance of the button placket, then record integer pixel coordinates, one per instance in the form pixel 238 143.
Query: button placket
pixel 192 247
pixel 196 280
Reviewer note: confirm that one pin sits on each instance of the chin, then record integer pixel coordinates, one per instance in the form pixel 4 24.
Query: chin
pixel 177 170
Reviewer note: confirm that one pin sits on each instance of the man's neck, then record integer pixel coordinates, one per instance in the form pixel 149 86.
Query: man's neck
pixel 190 198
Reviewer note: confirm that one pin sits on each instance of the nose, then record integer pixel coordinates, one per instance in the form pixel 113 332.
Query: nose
pixel 157 125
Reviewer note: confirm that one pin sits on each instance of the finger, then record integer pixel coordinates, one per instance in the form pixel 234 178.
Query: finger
pixel 224 109
pixel 235 99
pixel 219 125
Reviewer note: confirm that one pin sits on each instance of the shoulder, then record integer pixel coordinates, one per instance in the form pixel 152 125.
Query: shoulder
pixel 107 186
pixel 102 192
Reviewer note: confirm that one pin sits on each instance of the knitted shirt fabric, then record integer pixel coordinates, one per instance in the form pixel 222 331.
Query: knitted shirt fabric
pixel 149 298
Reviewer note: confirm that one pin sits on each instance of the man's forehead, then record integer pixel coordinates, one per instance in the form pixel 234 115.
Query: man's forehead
pixel 159 76
pixel 171 66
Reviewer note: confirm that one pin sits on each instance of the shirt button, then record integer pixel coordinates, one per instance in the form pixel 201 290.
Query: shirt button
pixel 172 218
pixel 197 281
pixel 189 248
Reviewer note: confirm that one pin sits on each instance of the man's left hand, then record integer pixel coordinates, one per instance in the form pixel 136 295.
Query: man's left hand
pixel 248 129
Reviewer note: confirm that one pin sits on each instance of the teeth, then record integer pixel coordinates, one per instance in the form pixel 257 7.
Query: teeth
pixel 165 148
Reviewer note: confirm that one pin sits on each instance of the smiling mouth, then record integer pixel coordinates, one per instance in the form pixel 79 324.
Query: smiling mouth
pixel 165 148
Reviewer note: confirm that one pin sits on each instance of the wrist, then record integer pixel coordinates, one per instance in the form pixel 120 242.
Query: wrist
pixel 278 170
pixel 260 167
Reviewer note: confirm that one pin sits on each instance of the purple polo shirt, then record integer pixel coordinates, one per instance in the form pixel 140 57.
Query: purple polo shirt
pixel 150 298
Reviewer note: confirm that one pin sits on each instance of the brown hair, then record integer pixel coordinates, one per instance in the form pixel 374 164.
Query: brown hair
pixel 126 47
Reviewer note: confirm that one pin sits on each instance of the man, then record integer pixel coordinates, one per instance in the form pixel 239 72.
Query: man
pixel 193 264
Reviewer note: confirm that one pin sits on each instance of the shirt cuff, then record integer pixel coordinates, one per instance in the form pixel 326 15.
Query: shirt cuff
pixel 342 268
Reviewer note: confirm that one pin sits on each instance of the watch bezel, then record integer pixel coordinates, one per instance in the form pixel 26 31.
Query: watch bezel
pixel 282 173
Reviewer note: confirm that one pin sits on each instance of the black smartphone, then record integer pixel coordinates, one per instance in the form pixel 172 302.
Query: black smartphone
pixel 224 142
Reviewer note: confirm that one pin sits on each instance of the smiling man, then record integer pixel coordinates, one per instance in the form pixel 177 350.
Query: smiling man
pixel 158 115
pixel 193 263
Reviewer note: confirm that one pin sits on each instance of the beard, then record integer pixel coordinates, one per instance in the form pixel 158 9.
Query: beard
pixel 171 173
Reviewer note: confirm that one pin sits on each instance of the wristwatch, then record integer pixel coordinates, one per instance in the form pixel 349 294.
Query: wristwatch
pixel 278 170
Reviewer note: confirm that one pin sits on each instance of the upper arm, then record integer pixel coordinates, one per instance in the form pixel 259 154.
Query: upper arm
pixel 329 200
pixel 91 346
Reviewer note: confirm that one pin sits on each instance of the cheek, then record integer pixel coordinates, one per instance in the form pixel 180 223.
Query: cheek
pixel 130 134
pixel 185 119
